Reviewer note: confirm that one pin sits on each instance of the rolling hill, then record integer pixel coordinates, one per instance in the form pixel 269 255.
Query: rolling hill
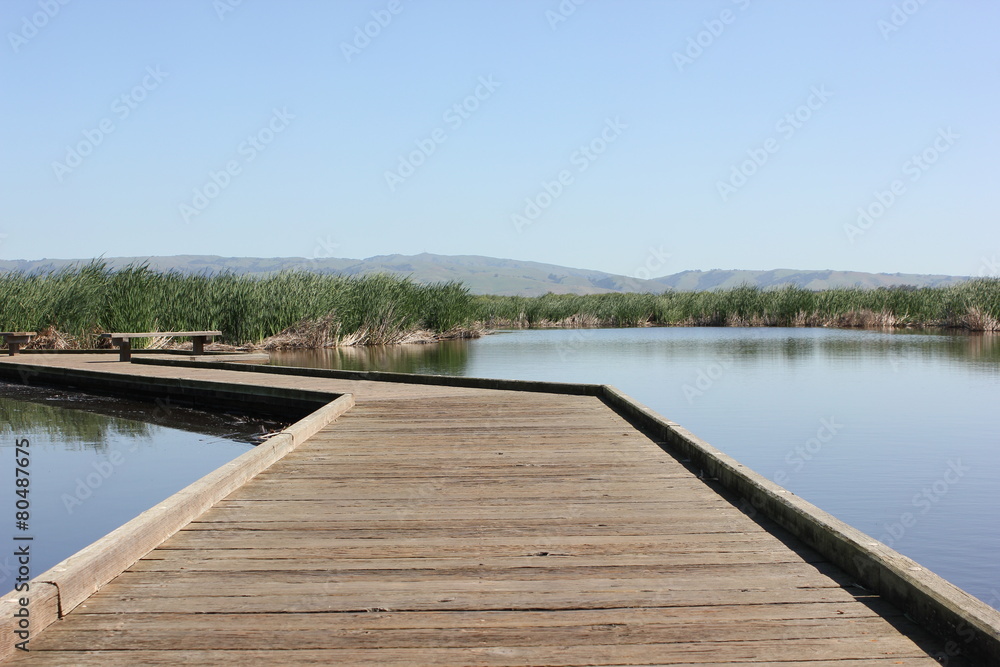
pixel 490 275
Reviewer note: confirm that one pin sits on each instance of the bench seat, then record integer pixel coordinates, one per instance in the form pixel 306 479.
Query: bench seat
pixel 123 341
pixel 15 339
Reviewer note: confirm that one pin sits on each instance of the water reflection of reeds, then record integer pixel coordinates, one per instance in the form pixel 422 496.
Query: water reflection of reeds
pixel 985 346
pixel 74 429
pixel 748 346
pixel 927 346
pixel 444 358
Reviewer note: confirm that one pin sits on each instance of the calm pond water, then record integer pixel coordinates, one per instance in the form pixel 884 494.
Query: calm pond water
pixel 895 433
pixel 92 470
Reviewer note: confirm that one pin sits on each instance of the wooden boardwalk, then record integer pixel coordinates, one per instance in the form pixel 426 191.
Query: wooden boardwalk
pixel 453 526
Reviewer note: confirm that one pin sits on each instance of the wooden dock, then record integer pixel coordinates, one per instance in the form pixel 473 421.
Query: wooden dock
pixel 442 525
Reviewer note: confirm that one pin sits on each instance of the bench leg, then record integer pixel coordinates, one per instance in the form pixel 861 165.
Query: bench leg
pixel 12 348
pixel 198 344
pixel 124 348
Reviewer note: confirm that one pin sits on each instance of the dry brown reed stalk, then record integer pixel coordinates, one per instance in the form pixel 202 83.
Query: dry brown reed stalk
pixel 50 338
pixel 375 335
pixel 767 320
pixel 305 334
pixel 580 321
pixel 457 333
pixel 804 319
pixel 867 319
pixel 575 321
pixel 976 319
pixel 325 333
pixel 492 323
pixel 703 320
pixel 158 343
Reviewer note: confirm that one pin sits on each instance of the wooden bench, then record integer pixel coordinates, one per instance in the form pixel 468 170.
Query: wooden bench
pixel 15 339
pixel 123 341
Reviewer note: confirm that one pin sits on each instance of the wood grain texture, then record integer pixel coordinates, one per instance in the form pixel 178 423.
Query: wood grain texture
pixel 457 526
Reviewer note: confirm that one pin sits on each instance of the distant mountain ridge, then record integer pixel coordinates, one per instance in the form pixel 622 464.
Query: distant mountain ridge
pixel 491 275
pixel 812 280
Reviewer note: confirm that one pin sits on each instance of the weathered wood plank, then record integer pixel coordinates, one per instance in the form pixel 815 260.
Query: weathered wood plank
pixel 612 654
pixel 210 547
pixel 473 576
pixel 456 526
pixel 872 609
pixel 295 632
pixel 234 560
pixel 336 598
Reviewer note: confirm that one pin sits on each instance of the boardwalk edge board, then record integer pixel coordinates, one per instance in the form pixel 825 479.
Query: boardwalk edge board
pixel 56 592
pixel 933 602
pixel 569 388
pixel 179 391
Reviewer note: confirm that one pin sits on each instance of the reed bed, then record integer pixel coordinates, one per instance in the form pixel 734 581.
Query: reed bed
pixel 71 307
pixel 973 306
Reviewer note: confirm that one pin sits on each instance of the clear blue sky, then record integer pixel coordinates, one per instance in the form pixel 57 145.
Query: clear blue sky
pixel 725 134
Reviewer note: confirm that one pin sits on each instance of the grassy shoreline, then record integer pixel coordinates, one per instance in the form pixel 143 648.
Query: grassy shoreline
pixel 970 306
pixel 71 307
